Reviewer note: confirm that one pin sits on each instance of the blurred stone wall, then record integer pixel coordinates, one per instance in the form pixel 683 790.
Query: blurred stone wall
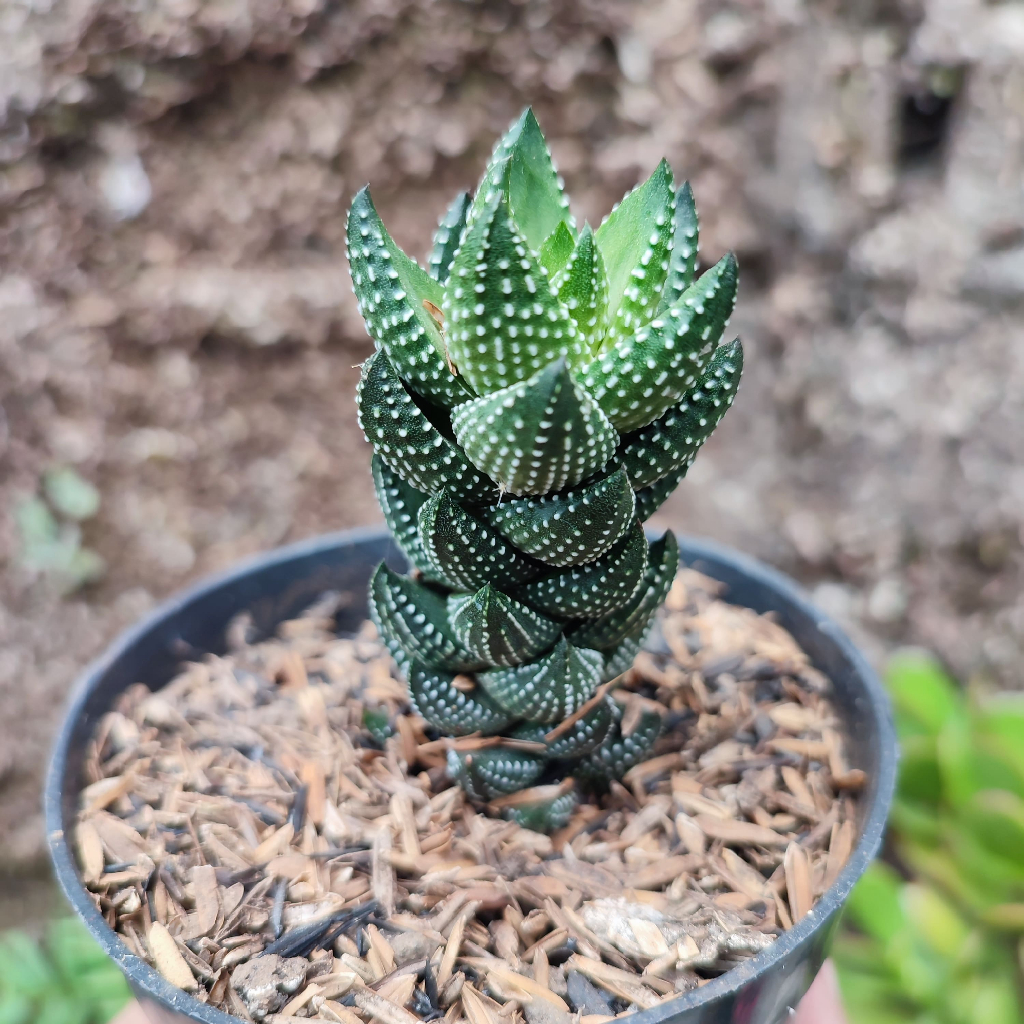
pixel 176 321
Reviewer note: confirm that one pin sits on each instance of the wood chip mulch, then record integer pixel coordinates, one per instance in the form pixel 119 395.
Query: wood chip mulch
pixel 245 833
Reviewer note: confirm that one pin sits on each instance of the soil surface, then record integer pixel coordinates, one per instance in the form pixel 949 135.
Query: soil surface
pixel 176 323
pixel 282 811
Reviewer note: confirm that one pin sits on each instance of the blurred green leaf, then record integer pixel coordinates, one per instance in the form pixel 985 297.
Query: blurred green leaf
pixel 875 903
pixel 920 776
pixel 922 692
pixel 942 928
pixel 917 821
pixel 996 818
pixel 36 524
pixel 67 979
pixel 47 547
pixel 70 494
pixel 16 1009
pixel 24 969
pixel 947 953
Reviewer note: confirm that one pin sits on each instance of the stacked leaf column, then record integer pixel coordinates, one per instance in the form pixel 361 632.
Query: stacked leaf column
pixel 533 398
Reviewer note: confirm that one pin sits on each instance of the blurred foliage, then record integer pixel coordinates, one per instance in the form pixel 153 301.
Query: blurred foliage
pixel 938 938
pixel 52 546
pixel 66 979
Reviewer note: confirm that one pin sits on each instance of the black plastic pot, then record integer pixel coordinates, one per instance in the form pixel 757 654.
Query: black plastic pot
pixel 275 586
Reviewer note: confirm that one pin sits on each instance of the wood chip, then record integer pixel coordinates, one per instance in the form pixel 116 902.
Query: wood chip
pixel 382 873
pixel 519 982
pixel 614 980
pixel 167 958
pixel 798 881
pixel 382 1009
pixel 207 898
pixel 451 951
pixel 739 833
pixel 839 850
pixel 271 811
pixel 90 851
pixel 479 1010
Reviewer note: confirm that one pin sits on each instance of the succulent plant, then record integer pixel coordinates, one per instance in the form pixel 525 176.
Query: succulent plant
pixel 533 396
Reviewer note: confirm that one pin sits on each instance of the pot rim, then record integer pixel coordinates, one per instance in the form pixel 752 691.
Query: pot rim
pixel 156 987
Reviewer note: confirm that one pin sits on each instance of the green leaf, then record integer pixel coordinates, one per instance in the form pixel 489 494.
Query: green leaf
pixel 467 553
pixel 584 591
pixel 413 620
pixel 536 436
pixel 672 442
pixel 974 877
pixel 875 904
pixel 958 761
pixel 447 238
pixel 582 737
pixel 504 322
pixel 640 377
pixel 499 630
pixel 494 771
pixel 620 659
pixel 400 502
pixel 391 289
pixel 935 920
pixel 920 776
pixel 534 191
pixel 1000 733
pixel 548 689
pixel 24 969
pixel 682 267
pixel 408 441
pixel 69 494
pixel 451 710
pixel 650 499
pixel 572 527
pixel 617 753
pixel 37 527
pixel 62 1008
pixel 630 619
pixel 556 250
pixel 996 818
pixel 635 240
pixel 75 952
pixel 377 723
pixel 583 287
pixel 544 815
pixel 17 1009
pixel 922 691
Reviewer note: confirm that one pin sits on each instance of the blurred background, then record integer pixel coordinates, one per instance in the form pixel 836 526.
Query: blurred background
pixel 179 343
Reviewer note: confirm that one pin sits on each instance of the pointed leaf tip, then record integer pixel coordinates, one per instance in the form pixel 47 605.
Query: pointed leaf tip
pixel 548 689
pixel 504 322
pixel 641 377
pixel 629 619
pixel 672 441
pixel 682 267
pixel 408 442
pixel 391 290
pixel 447 237
pixel 583 287
pixel 536 436
pixel 635 241
pixel 450 709
pixel 571 527
pixel 413 620
pixel 499 630
pixel 466 552
pixel 586 591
